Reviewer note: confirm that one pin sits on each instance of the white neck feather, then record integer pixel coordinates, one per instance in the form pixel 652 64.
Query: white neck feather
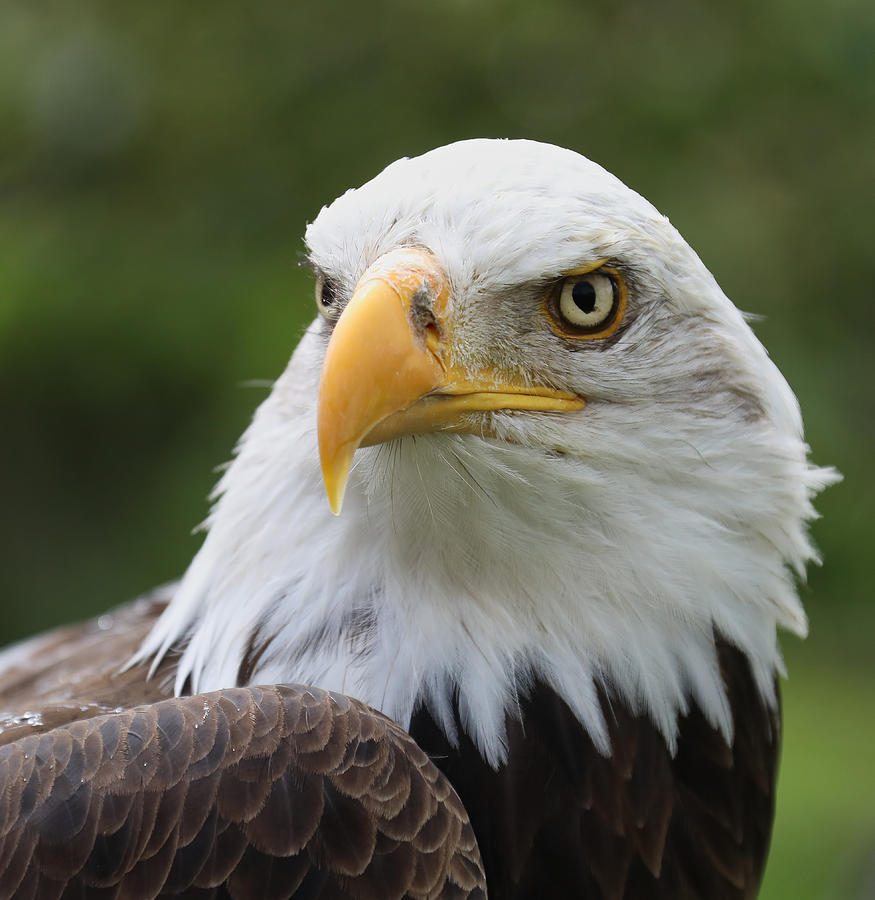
pixel 464 568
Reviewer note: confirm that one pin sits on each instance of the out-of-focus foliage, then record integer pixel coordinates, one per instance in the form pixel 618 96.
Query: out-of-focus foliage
pixel 158 162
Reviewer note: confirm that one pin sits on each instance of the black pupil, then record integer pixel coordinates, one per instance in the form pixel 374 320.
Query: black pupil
pixel 583 295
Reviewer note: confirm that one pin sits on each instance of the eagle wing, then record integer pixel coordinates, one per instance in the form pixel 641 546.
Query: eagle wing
pixel 257 792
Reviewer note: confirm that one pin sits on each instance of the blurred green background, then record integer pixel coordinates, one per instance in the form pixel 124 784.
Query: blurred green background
pixel 158 163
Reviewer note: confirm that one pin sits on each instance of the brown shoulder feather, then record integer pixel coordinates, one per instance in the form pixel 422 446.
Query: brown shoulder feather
pixel 258 792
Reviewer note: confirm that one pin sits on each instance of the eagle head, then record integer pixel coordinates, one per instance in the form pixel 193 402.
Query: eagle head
pixel 561 453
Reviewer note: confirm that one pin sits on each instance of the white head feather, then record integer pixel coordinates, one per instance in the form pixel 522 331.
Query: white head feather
pixel 602 547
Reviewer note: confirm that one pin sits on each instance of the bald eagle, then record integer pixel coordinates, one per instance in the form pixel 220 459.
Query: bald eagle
pixel 534 653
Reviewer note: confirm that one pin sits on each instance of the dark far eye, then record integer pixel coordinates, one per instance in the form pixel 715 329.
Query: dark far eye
pixel 326 295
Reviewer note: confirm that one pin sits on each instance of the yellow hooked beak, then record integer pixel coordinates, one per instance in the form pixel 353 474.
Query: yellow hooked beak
pixel 388 370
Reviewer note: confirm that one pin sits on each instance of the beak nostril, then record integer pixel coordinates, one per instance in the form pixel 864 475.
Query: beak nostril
pixel 424 321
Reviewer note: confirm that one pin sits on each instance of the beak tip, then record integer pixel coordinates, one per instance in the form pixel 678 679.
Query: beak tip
pixel 335 475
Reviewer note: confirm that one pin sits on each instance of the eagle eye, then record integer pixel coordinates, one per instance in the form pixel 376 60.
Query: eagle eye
pixel 326 296
pixel 588 305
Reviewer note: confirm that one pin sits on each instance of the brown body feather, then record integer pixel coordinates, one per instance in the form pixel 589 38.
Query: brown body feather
pixel 281 791
pixel 561 820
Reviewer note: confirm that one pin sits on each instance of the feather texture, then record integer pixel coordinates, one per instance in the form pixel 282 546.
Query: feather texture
pixel 244 793
pixel 561 819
